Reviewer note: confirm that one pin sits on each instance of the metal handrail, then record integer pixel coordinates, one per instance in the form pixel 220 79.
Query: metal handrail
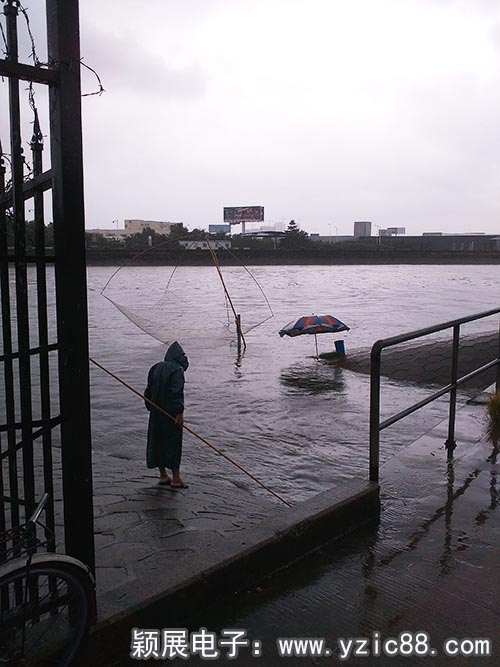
pixel 376 426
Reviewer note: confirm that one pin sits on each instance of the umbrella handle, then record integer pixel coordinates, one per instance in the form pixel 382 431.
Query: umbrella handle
pixel 316 341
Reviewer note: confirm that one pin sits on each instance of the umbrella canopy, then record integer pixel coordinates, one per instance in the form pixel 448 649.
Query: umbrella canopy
pixel 313 324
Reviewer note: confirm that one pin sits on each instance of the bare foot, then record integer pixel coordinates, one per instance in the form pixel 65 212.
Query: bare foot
pixel 165 481
pixel 178 484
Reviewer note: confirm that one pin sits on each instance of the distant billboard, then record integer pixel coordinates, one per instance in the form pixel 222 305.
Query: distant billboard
pixel 235 215
pixel 219 229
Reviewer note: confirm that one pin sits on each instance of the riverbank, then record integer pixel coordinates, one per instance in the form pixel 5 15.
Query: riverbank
pixel 436 533
pixel 283 257
pixel 429 363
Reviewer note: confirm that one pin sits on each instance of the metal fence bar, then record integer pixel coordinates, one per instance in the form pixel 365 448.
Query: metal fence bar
pixel 375 414
pixel 11 13
pixel 404 413
pixel 413 408
pixel 450 442
pixel 40 183
pixel 32 351
pixel 27 72
pixel 478 371
pixel 376 426
pixel 18 312
pixel 418 333
pixel 71 294
pixel 43 336
pixel 53 421
pixel 29 259
pixel 8 366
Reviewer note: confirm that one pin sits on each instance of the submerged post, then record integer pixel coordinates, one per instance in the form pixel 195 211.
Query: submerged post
pixel 238 331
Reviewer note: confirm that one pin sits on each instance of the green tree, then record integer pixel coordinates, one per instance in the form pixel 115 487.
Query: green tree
pixel 198 234
pixel 137 241
pixel 295 237
pixel 178 231
pixel 29 233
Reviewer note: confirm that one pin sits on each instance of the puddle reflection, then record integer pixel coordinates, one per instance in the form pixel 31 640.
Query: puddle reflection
pixel 317 379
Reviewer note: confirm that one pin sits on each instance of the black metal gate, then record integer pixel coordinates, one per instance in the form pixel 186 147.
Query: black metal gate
pixel 45 441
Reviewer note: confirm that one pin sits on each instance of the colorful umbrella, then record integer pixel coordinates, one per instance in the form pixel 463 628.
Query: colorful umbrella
pixel 313 324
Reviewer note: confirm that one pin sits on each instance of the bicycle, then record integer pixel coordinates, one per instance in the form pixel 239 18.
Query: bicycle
pixel 47 600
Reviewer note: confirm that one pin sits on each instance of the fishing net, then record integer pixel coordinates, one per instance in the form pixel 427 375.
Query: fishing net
pixel 196 301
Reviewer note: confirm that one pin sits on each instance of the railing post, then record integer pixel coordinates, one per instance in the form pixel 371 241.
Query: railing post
pixel 450 442
pixel 375 413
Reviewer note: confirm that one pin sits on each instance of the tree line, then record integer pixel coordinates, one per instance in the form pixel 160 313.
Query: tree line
pixel 294 238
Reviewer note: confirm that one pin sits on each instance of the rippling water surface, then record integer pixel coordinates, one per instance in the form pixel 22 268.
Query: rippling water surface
pixel 299 424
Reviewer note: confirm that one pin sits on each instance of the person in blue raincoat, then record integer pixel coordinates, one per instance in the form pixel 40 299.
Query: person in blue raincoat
pixel 166 389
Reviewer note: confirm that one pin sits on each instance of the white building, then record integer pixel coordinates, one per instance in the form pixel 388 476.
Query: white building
pixel 134 227
pixel 203 245
pixel 111 234
pixel 392 231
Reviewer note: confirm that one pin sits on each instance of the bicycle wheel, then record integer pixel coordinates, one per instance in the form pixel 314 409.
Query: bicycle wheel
pixel 46 611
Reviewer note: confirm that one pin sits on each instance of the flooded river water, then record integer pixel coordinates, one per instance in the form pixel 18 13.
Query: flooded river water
pixel 297 423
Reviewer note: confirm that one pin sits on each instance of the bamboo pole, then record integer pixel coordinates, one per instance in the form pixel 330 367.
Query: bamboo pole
pixel 189 430
pixel 219 271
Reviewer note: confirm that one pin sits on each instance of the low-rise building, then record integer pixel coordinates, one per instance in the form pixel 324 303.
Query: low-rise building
pixel 392 231
pixel 335 238
pixel 203 245
pixel 133 227
pixel 137 226
pixel 457 242
pixel 109 234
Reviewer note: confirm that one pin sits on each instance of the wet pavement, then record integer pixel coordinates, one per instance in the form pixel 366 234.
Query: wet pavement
pixel 430 565
pixel 141 527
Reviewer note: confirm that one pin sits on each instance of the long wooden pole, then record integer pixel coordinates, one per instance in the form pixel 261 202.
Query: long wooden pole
pixel 215 449
pixel 237 318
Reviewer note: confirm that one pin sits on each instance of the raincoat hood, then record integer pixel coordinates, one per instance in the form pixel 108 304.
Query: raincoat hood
pixel 175 354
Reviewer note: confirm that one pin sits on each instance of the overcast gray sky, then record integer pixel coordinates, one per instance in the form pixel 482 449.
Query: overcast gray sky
pixel 325 111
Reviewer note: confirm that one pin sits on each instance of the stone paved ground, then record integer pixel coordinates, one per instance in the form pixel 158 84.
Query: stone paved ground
pixel 140 526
